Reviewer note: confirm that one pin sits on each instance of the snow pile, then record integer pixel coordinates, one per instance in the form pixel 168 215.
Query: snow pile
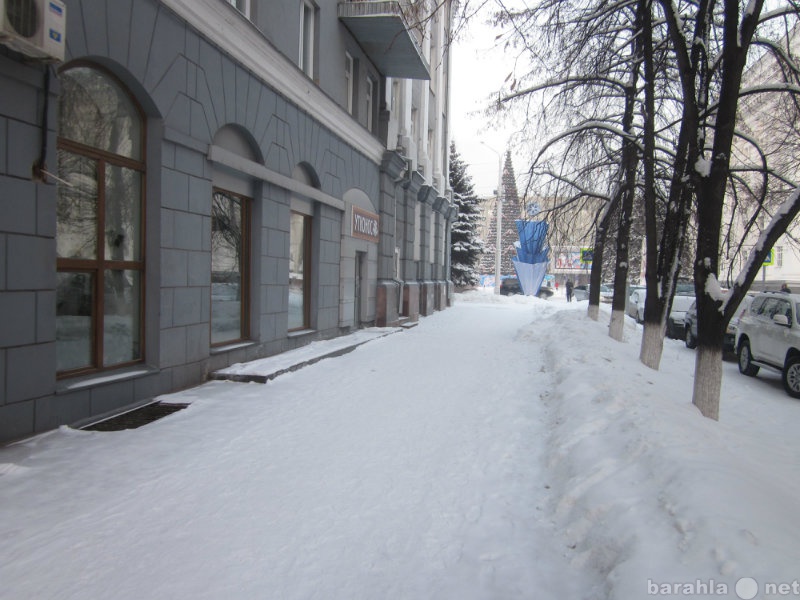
pixel 650 494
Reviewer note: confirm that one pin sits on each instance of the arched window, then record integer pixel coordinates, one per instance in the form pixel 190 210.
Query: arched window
pixel 230 286
pixel 231 244
pixel 100 227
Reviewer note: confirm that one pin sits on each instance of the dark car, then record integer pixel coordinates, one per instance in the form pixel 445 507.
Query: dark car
pixel 510 286
pixel 581 292
pixel 676 322
pixel 729 339
pixel 690 322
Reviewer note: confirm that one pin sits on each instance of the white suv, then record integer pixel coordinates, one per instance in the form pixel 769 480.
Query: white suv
pixel 768 335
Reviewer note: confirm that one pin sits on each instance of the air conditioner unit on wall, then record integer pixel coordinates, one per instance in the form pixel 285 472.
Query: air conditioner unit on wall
pixel 36 28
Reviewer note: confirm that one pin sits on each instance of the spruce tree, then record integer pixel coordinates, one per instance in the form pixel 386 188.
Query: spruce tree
pixel 466 246
pixel 511 211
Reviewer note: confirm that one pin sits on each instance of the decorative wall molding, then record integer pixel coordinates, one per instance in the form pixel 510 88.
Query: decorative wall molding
pixel 234 34
pixel 221 156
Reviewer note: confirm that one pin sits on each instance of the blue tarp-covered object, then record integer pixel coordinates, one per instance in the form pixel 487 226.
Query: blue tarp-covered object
pixel 532 255
pixel 532 241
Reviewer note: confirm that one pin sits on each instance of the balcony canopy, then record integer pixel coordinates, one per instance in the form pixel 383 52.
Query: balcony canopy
pixel 381 29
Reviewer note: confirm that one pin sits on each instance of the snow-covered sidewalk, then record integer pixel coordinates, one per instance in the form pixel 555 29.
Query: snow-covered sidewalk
pixel 266 369
pixel 503 449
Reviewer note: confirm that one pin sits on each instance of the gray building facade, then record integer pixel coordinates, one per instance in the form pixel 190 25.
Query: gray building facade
pixel 205 182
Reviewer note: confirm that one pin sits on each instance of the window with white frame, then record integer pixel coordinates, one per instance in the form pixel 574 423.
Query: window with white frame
pixel 243 6
pixel 308 31
pixel 349 80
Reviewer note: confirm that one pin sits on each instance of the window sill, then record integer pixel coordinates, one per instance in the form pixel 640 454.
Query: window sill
pixel 300 333
pixel 228 347
pixel 95 379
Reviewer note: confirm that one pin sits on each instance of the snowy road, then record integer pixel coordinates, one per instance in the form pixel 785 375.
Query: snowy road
pixel 394 472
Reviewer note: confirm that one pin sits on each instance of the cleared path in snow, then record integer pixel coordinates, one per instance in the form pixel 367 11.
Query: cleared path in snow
pixel 408 469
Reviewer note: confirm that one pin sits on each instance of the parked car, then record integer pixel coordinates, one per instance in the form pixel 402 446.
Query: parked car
pixel 635 303
pixel 729 339
pixel 630 306
pixel 684 295
pixel 690 326
pixel 681 302
pixel 510 286
pixel 768 335
pixel 581 292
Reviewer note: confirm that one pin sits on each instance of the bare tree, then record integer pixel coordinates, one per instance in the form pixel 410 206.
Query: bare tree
pixel 678 156
pixel 711 42
pixel 593 59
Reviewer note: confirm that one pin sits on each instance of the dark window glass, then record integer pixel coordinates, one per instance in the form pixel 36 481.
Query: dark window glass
pixel 299 280
pixel 122 314
pixel 76 208
pixel 99 228
pixel 229 281
pixel 74 323
pixel 97 112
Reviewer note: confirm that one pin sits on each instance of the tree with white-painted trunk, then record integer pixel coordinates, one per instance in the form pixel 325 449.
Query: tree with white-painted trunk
pixel 589 96
pixel 693 185
pixel 711 42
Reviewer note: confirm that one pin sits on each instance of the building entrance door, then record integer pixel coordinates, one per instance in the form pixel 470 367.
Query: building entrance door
pixel 359 287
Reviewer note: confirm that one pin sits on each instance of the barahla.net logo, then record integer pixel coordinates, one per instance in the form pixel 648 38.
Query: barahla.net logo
pixel 746 588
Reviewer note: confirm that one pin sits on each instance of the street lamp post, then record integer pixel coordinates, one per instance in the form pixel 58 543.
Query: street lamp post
pixel 499 223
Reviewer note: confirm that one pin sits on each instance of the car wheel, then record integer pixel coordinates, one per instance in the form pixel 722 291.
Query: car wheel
pixel 791 376
pixel 691 341
pixel 746 366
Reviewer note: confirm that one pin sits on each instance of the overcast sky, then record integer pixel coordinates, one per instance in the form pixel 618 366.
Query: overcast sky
pixel 479 69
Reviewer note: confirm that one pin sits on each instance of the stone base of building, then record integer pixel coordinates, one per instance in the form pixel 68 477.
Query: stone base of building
pixel 419 298
pixel 427 298
pixel 440 298
pixel 387 303
pixel 411 301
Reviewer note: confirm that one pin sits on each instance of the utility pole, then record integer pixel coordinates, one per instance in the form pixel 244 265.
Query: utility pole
pixel 499 224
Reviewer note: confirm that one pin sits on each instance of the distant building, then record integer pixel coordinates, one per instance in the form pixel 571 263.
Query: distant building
pixel 770 120
pixel 205 182
pixel 571 230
